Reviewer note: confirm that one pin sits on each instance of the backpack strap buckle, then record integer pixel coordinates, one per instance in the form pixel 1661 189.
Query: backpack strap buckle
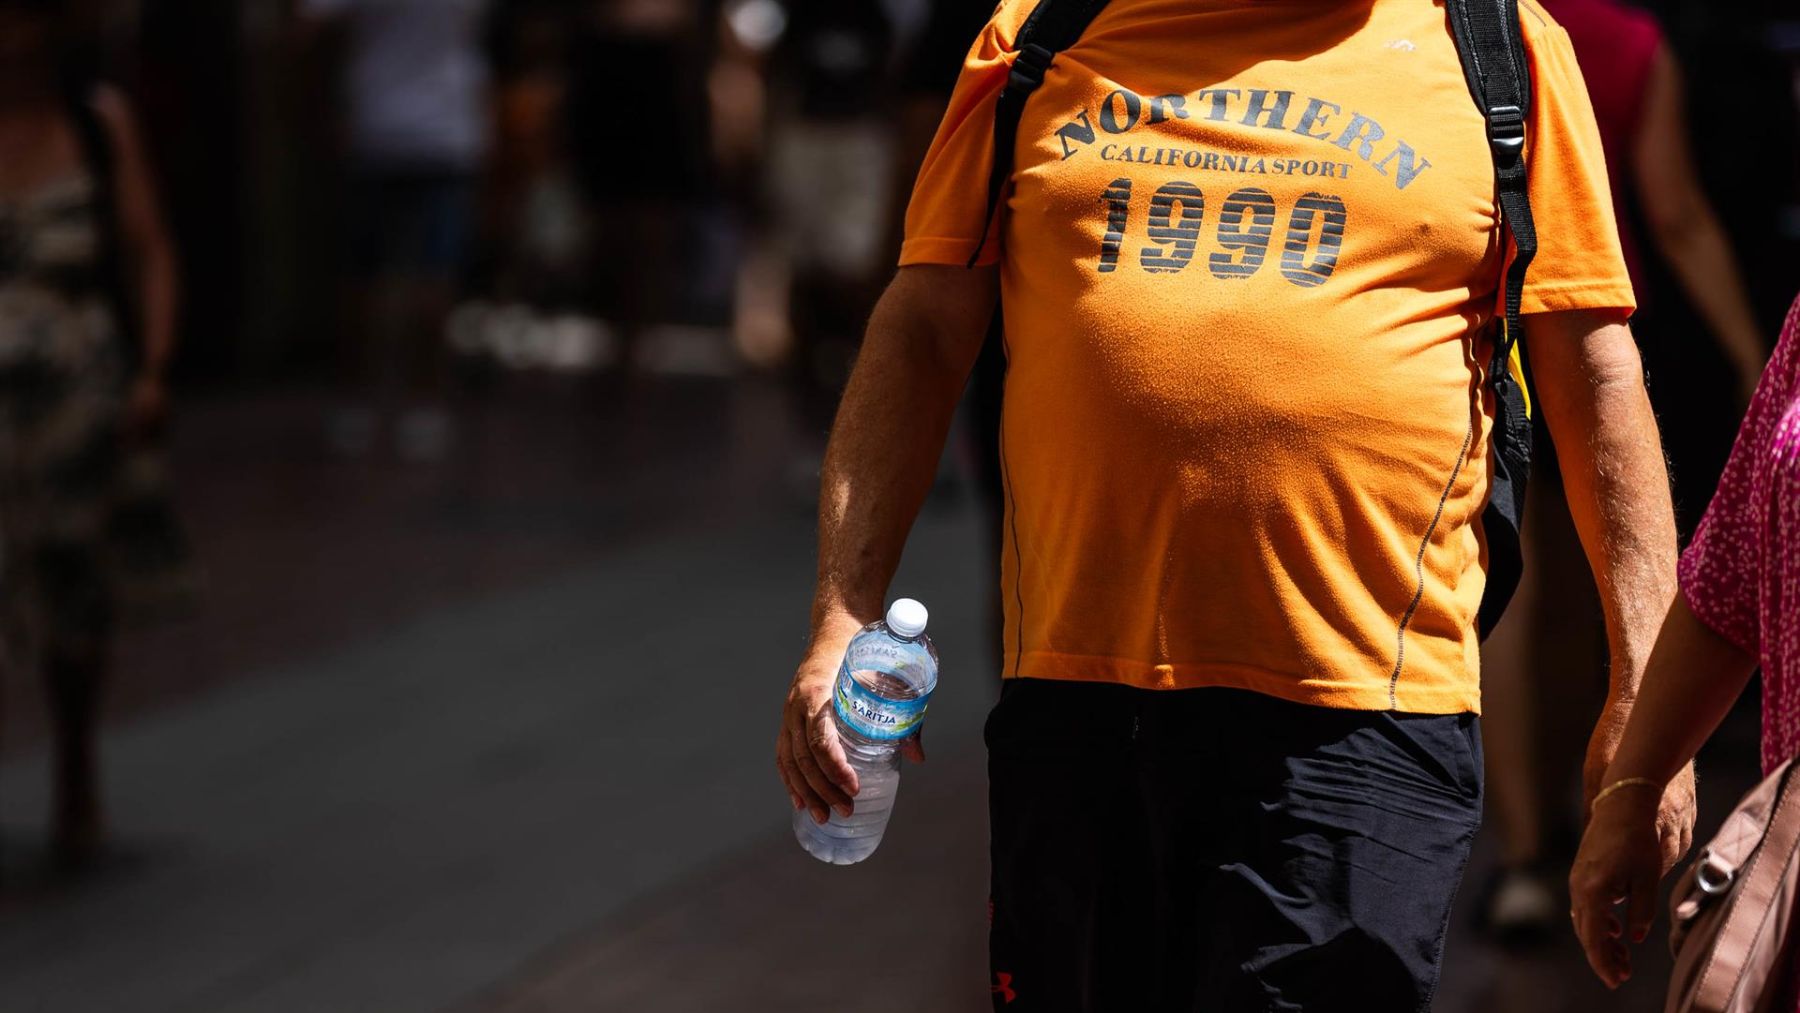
pixel 1506 132
pixel 1028 68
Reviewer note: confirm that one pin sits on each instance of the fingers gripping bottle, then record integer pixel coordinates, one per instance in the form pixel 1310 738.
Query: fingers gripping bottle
pixel 883 686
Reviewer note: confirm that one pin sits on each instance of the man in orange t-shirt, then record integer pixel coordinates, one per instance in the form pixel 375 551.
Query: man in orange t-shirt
pixel 1248 256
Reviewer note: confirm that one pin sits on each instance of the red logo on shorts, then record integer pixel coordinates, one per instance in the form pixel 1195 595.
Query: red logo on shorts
pixel 1004 987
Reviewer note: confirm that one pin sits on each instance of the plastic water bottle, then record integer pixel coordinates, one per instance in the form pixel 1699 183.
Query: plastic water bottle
pixel 883 687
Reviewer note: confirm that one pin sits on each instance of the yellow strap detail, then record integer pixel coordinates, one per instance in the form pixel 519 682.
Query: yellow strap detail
pixel 1515 364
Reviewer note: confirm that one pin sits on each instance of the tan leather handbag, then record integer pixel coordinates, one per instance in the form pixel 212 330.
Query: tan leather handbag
pixel 1732 909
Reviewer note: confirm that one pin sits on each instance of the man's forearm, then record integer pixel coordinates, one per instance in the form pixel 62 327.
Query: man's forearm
pixel 1591 387
pixel 886 442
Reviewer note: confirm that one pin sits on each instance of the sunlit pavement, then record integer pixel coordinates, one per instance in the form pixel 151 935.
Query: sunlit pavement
pixel 494 736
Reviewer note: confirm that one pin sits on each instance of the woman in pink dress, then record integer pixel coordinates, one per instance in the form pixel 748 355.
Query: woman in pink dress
pixel 1739 608
pixel 1541 662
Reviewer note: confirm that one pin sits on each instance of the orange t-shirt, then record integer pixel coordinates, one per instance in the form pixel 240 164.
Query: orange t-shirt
pixel 1246 260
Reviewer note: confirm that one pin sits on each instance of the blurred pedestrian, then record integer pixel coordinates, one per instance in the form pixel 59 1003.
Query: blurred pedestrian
pixel 1247 257
pixel 639 145
pixel 415 95
pixel 86 267
pixel 803 96
pixel 533 225
pixel 1636 85
pixel 1738 609
pixel 1537 663
pixel 830 161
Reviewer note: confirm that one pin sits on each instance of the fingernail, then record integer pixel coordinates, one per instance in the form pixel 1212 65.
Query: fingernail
pixel 844 811
pixel 819 817
pixel 798 805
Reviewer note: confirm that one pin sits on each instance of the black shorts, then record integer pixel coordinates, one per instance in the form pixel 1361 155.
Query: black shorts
pixel 1221 850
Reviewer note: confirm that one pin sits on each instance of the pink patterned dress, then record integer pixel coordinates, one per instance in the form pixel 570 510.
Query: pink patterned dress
pixel 1741 575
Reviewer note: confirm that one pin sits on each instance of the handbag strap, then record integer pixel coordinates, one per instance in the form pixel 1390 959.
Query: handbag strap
pixel 1747 916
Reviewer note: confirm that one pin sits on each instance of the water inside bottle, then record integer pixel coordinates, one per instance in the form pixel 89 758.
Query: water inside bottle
pixel 889 684
pixel 848 840
pixel 886 670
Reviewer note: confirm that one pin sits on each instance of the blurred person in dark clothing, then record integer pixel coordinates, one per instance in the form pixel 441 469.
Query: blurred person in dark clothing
pixel 87 317
pixel 829 168
pixel 738 88
pixel 532 225
pixel 638 143
pixel 1537 658
pixel 1637 90
pixel 927 77
pixel 415 91
pixel 803 94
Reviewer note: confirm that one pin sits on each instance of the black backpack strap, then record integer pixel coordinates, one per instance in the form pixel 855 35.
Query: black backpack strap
pixel 1493 57
pixel 1053 26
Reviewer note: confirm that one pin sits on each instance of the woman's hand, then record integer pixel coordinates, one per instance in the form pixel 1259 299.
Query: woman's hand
pixel 1622 859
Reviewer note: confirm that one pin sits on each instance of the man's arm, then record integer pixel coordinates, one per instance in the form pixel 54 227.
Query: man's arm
pixel 921 342
pixel 1590 387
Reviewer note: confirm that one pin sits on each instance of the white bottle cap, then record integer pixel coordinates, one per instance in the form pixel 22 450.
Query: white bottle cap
pixel 906 617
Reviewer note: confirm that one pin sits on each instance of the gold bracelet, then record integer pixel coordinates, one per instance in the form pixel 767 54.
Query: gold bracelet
pixel 1629 782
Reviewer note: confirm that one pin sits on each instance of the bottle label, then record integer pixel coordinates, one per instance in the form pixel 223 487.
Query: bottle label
pixel 873 716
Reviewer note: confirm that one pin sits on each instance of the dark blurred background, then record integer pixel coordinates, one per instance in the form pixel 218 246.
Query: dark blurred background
pixel 510 332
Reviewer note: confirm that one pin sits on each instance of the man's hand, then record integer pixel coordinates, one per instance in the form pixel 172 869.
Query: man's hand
pixel 1675 818
pixel 808 755
pixel 807 752
pixel 881 461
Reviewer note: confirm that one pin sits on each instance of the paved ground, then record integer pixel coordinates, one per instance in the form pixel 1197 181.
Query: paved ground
pixel 494 739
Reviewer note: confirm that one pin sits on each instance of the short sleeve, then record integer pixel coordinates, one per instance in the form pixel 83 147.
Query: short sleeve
pixel 944 219
pixel 1579 263
pixel 1720 569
